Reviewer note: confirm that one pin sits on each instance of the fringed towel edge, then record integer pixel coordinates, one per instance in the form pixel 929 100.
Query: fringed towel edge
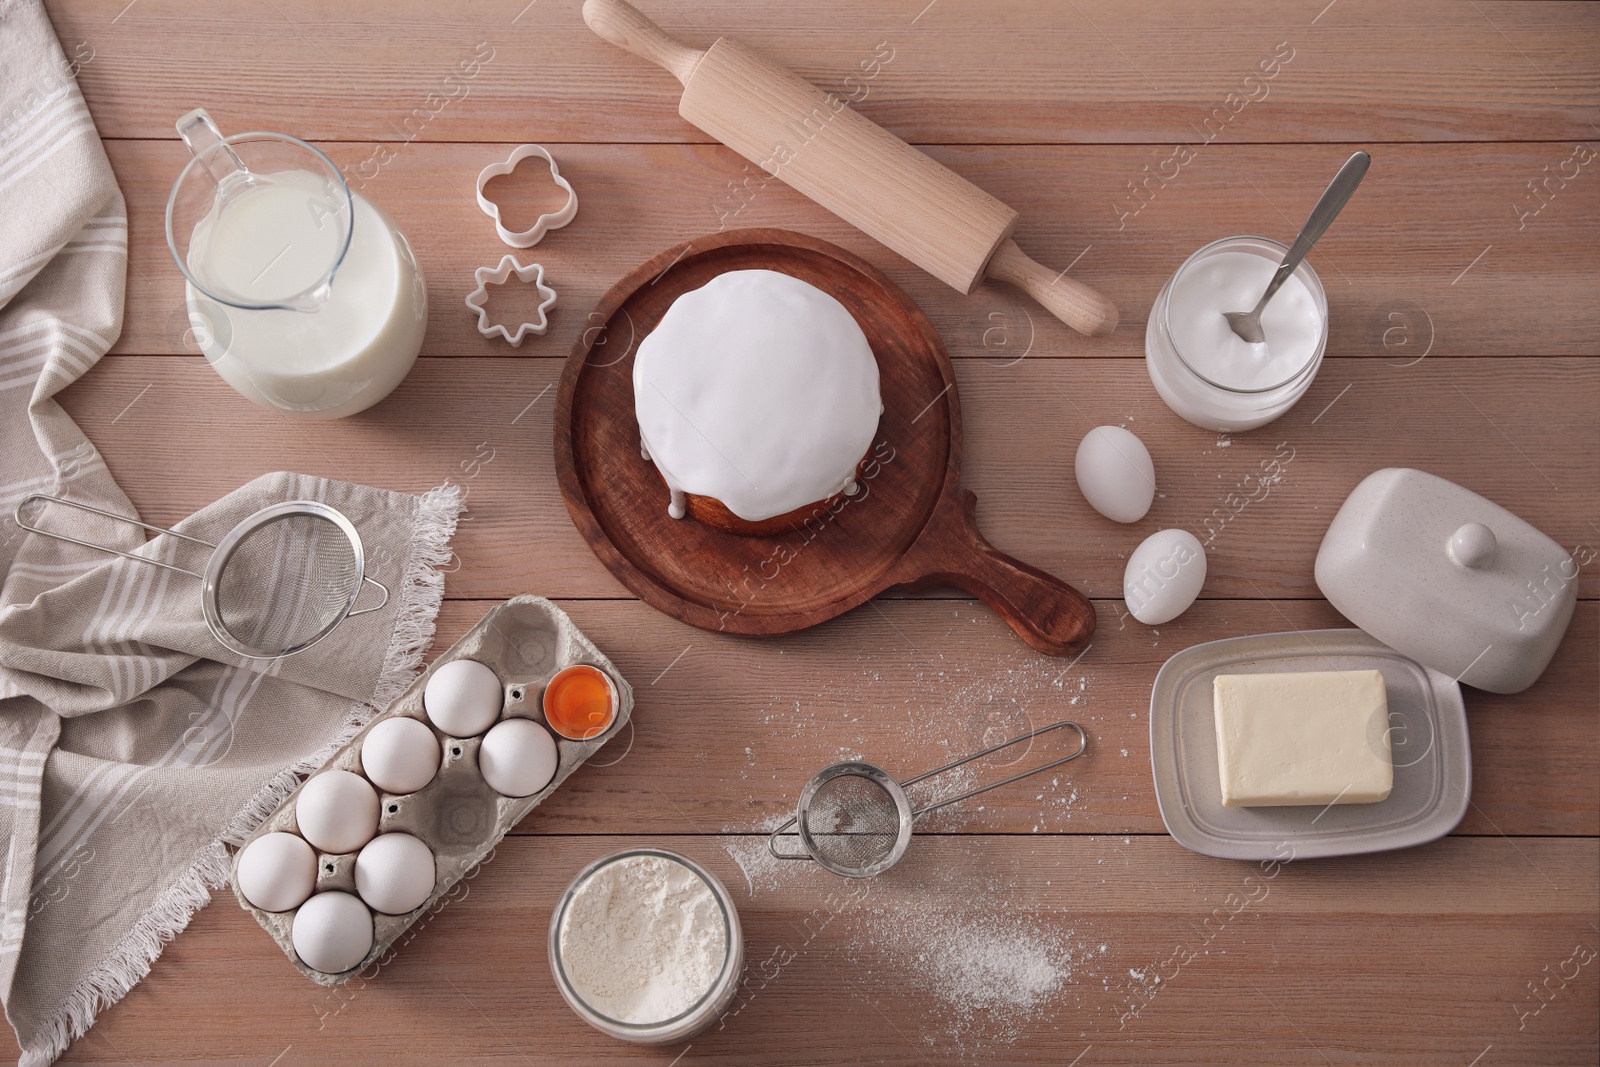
pixel 421 593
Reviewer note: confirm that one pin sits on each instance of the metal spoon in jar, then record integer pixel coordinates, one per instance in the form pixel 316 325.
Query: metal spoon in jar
pixel 1247 324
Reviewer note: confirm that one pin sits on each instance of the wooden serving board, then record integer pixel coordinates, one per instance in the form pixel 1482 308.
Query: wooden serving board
pixel 913 525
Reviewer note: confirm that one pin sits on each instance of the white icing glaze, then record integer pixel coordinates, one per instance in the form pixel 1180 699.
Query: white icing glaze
pixel 759 390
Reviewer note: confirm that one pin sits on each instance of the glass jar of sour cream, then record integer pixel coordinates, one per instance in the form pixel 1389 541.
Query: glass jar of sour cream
pixel 1205 372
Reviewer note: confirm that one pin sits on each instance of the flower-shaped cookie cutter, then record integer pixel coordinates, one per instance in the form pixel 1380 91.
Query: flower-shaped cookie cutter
pixel 544 223
pixel 479 297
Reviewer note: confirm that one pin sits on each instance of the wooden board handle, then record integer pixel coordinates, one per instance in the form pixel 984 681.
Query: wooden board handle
pixel 1047 613
pixel 1071 301
pixel 626 27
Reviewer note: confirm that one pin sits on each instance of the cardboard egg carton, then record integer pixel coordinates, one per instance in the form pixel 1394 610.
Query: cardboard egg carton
pixel 525 641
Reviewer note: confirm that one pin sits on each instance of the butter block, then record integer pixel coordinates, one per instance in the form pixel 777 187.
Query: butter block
pixel 1314 737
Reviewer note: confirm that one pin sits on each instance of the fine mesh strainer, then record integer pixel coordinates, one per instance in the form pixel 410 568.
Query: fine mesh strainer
pixel 276 584
pixel 855 820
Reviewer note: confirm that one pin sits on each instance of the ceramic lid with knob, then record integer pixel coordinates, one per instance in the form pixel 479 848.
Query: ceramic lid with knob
pixel 1449 578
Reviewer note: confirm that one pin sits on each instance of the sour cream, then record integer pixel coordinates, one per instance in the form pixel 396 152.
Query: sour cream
pixel 1234 281
pixel 1207 373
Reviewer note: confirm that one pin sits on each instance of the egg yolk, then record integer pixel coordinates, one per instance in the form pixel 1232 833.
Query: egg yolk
pixel 578 702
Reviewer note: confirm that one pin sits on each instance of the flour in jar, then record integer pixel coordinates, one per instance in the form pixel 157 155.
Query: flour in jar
pixel 643 939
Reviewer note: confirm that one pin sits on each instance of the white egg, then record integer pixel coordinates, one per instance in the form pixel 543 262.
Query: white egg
pixel 517 758
pixel 337 811
pixel 1115 473
pixel 400 755
pixel 277 871
pixel 332 932
pixel 463 698
pixel 394 873
pixel 1164 575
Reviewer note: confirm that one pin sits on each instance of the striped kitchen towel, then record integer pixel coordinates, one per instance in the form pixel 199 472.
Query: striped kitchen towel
pixel 133 747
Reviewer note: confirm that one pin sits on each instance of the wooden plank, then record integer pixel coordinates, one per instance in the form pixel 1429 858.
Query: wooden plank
pixel 1521 431
pixel 1016 72
pixel 914 684
pixel 901 970
pixel 1430 259
pixel 1463 341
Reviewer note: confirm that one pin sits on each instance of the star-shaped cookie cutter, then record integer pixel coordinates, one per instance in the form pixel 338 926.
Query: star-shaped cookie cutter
pixel 544 223
pixel 479 297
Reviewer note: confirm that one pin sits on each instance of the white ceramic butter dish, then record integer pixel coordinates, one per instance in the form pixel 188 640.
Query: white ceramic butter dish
pixel 1449 578
pixel 1427 741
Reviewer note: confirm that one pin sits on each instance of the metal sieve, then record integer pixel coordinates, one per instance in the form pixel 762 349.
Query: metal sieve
pixel 276 584
pixel 855 820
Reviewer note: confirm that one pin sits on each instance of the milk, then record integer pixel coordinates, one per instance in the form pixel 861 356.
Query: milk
pixel 273 241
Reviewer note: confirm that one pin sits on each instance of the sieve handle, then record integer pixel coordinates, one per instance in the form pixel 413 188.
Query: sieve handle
pixel 354 611
pixel 1083 744
pixel 772 842
pixel 31 497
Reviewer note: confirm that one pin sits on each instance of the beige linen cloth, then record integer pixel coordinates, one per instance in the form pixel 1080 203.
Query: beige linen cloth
pixel 133 747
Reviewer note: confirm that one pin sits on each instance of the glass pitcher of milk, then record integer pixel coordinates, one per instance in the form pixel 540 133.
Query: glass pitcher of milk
pixel 303 295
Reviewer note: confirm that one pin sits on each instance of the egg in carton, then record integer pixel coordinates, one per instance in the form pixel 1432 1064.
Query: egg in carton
pixel 457 815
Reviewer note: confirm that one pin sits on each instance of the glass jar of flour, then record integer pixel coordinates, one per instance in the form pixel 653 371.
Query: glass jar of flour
pixel 1209 375
pixel 645 946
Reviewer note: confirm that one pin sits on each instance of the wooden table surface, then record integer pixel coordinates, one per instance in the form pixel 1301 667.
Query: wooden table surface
pixel 1054 923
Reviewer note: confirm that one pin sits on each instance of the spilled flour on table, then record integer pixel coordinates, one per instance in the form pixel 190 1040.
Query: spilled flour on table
pixel 762 870
pixel 937 937
pixel 992 973
pixel 976 971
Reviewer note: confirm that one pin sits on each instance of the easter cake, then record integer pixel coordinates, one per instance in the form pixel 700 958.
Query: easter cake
pixel 757 399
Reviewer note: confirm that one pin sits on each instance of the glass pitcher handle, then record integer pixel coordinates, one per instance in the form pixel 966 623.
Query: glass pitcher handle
pixel 204 139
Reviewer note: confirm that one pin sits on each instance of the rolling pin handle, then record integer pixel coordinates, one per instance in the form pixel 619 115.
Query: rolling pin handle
pixel 1071 301
pixel 626 27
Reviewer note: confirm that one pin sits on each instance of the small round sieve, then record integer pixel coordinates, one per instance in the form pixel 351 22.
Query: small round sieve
pixel 854 819
pixel 276 584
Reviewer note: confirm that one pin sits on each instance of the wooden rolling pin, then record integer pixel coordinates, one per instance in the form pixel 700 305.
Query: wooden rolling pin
pixel 850 165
